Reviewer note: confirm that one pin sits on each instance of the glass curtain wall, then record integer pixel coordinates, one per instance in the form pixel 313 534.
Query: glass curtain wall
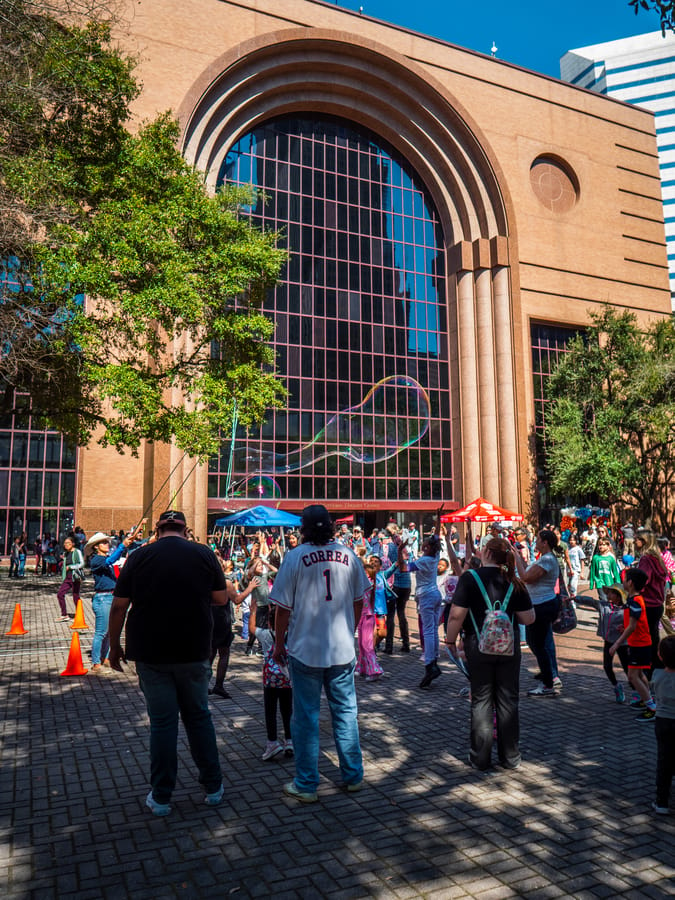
pixel 548 343
pixel 361 322
pixel 37 478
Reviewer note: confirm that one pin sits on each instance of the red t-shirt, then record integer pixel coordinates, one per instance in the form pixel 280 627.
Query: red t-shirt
pixel 635 609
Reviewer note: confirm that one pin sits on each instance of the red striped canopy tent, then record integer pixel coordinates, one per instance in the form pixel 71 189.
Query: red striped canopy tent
pixel 481 510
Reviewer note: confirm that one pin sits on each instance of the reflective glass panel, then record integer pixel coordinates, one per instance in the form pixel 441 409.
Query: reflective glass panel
pixel 362 318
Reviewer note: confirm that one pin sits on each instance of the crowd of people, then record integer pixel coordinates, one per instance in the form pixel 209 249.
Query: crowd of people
pixel 299 600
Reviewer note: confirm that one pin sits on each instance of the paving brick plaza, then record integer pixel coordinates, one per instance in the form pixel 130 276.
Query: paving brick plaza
pixel 573 821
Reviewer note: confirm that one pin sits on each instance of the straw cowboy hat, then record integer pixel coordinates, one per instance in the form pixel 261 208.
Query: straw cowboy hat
pixel 96 539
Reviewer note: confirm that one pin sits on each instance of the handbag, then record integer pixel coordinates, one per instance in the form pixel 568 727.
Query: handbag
pixel 77 572
pixel 567 617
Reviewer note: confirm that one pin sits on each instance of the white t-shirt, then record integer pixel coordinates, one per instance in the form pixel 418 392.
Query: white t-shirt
pixel 577 557
pixel 426 568
pixel 544 589
pixel 320 586
pixel 266 638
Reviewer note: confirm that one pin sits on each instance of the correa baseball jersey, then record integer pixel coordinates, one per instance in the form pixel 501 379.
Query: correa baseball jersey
pixel 320 586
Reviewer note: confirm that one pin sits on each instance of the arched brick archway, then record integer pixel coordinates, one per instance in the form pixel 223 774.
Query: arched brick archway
pixel 308 71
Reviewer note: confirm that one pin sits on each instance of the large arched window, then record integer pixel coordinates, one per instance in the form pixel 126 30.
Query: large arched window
pixel 361 322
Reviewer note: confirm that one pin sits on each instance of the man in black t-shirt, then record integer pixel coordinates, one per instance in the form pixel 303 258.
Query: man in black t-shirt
pixel 168 587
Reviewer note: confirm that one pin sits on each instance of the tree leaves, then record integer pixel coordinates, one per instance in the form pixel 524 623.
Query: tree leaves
pixel 664 8
pixel 171 334
pixel 610 425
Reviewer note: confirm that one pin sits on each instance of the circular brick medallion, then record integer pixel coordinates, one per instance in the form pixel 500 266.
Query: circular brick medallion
pixel 554 184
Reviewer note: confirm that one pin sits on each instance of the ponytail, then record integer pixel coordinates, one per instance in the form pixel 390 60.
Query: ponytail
pixel 502 552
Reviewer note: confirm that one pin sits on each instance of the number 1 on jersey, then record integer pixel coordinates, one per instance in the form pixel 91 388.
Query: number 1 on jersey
pixel 326 575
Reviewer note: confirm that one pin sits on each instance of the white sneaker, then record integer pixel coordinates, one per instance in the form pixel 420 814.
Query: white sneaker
pixel 215 798
pixel 158 809
pixel 541 691
pixel 272 749
pixel 302 796
pixel 288 747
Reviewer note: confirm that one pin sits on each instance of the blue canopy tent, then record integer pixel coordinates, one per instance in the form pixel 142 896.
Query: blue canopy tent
pixel 260 517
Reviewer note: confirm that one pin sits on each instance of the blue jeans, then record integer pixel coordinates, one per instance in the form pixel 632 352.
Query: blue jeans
pixel 22 565
pixel 245 616
pixel 430 612
pixel 540 638
pixel 100 644
pixel 338 682
pixel 550 649
pixel 170 689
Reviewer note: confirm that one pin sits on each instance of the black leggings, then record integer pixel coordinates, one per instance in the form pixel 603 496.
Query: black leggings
pixel 396 607
pixel 665 759
pixel 654 614
pixel 284 697
pixel 608 661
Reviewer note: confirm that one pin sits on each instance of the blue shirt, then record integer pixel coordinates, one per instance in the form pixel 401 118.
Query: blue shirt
pixel 381 591
pixel 102 570
pixel 402 579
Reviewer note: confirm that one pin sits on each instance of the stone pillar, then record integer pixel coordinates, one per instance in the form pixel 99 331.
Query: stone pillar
pixel 200 477
pixel 487 387
pixel 466 340
pixel 508 438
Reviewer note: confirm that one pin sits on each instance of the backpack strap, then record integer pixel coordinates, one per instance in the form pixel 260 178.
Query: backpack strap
pixel 482 588
pixel 507 597
pixel 504 603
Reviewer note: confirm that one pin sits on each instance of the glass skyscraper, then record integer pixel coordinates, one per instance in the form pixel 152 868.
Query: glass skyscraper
pixel 638 70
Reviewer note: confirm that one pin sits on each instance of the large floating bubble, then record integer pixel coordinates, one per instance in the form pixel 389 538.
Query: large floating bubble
pixel 394 414
pixel 258 487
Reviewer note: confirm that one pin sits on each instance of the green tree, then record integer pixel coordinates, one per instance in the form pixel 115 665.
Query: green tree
pixel 664 8
pixel 610 425
pixel 171 333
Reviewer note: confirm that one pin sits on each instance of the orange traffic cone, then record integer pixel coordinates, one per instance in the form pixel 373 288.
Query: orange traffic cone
pixel 78 621
pixel 74 665
pixel 17 622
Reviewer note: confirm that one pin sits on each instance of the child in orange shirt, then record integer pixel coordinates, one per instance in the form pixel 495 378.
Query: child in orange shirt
pixel 636 634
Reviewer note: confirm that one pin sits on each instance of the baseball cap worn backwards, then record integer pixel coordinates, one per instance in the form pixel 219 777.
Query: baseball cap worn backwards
pixel 315 515
pixel 170 516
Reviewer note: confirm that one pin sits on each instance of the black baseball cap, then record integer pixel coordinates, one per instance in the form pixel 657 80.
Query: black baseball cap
pixel 316 516
pixel 170 516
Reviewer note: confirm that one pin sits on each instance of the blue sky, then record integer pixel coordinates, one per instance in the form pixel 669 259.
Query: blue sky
pixel 534 35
